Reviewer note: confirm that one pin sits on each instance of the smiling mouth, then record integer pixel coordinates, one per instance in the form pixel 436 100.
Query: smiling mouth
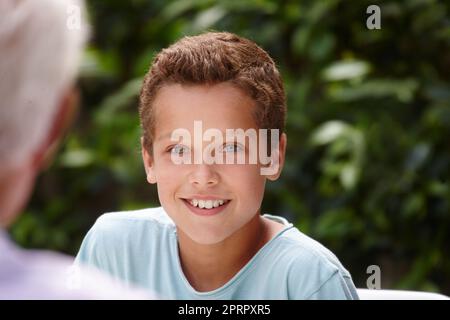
pixel 207 204
pixel 206 207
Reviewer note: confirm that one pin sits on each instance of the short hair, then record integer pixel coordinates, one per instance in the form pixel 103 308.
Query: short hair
pixel 212 58
pixel 39 53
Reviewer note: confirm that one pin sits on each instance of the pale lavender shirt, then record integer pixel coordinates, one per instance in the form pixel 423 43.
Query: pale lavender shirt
pixel 37 274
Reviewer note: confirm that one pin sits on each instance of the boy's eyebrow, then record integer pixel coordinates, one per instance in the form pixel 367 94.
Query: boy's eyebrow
pixel 169 134
pixel 164 136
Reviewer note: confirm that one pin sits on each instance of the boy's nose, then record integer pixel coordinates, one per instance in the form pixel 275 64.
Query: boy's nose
pixel 203 175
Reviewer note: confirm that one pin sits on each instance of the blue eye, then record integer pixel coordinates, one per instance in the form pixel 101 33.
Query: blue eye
pixel 232 148
pixel 178 149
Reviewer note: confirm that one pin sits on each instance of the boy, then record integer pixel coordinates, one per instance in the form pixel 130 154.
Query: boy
pixel 209 240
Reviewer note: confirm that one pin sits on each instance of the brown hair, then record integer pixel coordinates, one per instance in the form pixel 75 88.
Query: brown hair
pixel 212 58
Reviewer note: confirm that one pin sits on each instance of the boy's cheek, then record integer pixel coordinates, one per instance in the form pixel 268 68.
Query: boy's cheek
pixel 165 194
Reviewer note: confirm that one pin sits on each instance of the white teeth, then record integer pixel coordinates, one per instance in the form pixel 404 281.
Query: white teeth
pixel 207 204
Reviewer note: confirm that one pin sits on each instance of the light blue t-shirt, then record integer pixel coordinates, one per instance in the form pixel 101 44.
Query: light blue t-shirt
pixel 141 247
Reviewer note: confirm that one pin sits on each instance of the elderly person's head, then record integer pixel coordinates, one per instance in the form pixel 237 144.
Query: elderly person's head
pixel 40 47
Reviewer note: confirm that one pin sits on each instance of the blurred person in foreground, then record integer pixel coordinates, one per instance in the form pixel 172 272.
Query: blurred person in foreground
pixel 39 53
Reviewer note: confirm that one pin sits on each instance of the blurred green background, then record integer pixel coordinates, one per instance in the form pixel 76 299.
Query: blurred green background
pixel 368 162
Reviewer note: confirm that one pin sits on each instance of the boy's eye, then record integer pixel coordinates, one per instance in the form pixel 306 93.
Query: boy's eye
pixel 178 149
pixel 232 147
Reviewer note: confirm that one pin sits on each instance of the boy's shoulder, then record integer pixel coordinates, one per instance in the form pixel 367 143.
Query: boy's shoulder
pixel 300 251
pixel 156 216
pixel 133 224
pixel 310 269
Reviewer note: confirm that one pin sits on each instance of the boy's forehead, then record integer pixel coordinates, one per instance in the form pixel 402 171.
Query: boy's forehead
pixel 188 94
pixel 220 106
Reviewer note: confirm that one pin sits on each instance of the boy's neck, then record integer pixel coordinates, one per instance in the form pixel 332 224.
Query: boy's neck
pixel 208 267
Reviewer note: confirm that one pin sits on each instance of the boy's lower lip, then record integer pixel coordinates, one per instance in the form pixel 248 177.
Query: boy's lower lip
pixel 205 212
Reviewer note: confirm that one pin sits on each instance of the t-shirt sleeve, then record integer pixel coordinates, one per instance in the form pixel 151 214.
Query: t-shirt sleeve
pixel 337 287
pixel 97 249
pixel 87 252
pixel 314 275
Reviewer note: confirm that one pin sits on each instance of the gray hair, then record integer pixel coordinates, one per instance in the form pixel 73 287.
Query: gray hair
pixel 40 46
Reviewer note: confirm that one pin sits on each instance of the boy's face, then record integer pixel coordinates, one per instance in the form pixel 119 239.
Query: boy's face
pixel 240 186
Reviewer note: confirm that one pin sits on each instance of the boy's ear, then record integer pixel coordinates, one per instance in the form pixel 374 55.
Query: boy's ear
pixel 148 164
pixel 280 152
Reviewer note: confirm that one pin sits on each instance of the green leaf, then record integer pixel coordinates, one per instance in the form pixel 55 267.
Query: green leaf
pixel 345 70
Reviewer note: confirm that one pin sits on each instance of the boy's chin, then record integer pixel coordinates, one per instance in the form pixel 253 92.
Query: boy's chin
pixel 206 238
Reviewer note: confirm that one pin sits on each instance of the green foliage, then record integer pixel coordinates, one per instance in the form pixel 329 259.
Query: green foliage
pixel 367 170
